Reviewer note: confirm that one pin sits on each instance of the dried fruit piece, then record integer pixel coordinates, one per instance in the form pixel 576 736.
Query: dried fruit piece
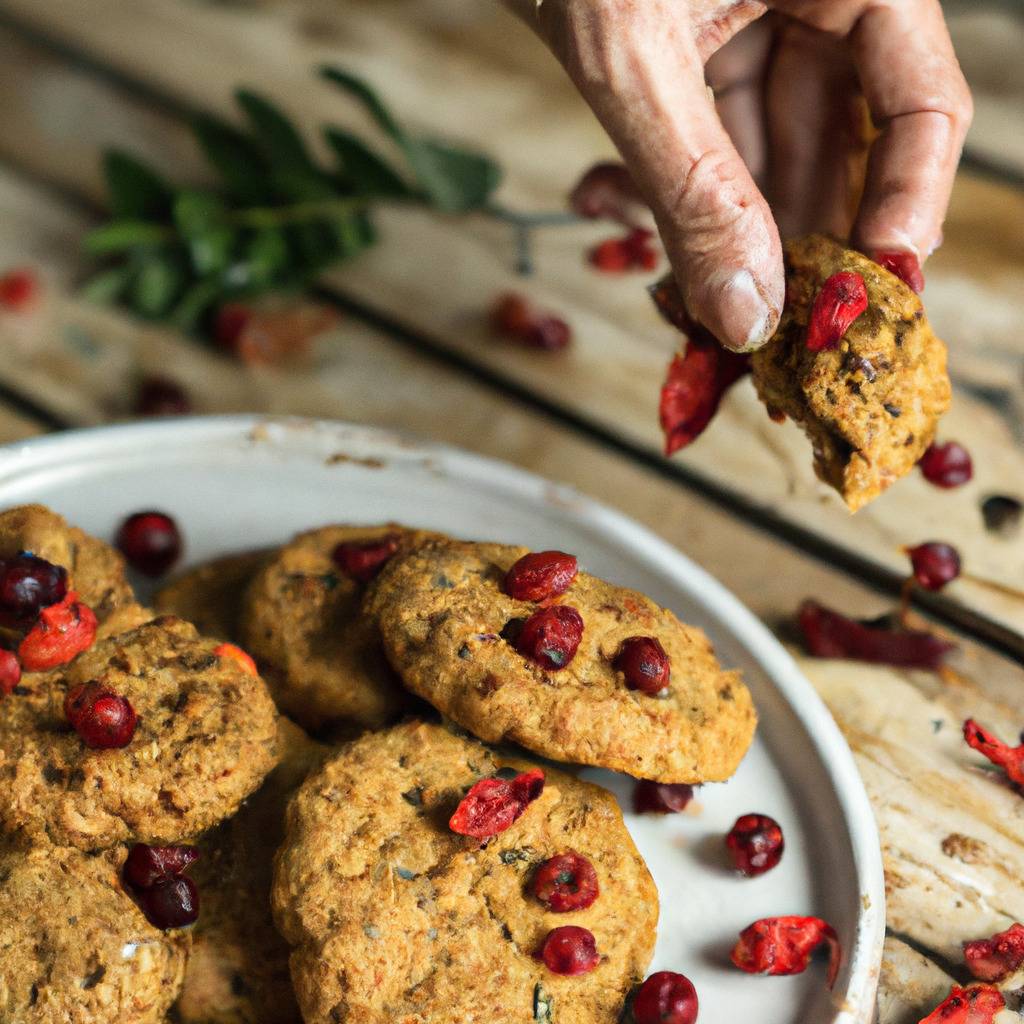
pixel 28 584
pixel 103 719
pixel 147 865
pixel 63 631
pixel 976 1004
pixel 363 559
pixel 236 654
pixel 935 564
pixel 905 265
pixel 161 396
pixel 755 843
pixel 606 190
pixel 514 318
pixel 150 541
pixel 10 672
pixel 541 575
pixel 1002 514
pixel 843 297
pixel 946 465
pixel 19 289
pixel 828 634
pixel 268 336
pixel 1010 759
pixel 569 950
pixel 493 805
pixel 661 797
pixel 998 957
pixel 551 636
pixel 644 663
pixel 171 904
pixel 783 945
pixel 665 998
pixel 153 875
pixel 631 252
pixel 566 882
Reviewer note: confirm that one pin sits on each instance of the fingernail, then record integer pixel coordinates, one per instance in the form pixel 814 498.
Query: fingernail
pixel 736 312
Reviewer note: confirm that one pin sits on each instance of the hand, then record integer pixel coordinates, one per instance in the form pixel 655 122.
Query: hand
pixel 789 116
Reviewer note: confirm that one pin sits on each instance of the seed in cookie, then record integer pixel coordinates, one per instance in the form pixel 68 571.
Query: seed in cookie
pixel 644 663
pixel 151 541
pixel 493 805
pixel 541 575
pixel 362 560
pixel 566 882
pixel 661 797
pixel 665 998
pixel 236 654
pixel 103 719
pixel 63 631
pixel 569 949
pixel 755 843
pixel 551 636
pixel 28 584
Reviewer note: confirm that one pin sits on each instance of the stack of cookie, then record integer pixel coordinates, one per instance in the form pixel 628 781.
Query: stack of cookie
pixel 421 876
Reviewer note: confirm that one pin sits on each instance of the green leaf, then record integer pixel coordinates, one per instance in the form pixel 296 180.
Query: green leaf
pixel 237 159
pixel 107 286
pixel 157 284
pixel 194 303
pixel 136 191
pixel 363 169
pixel 318 247
pixel 200 218
pixel 119 235
pixel 371 102
pixel 456 180
pixel 281 142
pixel 265 254
pixel 303 186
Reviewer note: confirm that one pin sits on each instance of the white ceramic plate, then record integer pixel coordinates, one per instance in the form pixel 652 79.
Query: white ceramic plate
pixel 236 483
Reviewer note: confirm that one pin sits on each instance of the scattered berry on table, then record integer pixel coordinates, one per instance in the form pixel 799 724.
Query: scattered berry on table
pixel 19 290
pixel 998 957
pixel 755 844
pixel 946 465
pixel 935 564
pixel 976 1004
pixel 150 541
pixel 1010 759
pixel 633 251
pixel 661 797
pixel 783 945
pixel 665 998
pixel 161 396
pixel 607 191
pixel 514 318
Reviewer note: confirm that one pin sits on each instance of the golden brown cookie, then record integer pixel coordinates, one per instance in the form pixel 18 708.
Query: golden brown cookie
pixel 302 622
pixel 205 739
pixel 443 616
pixel 395 919
pixel 870 406
pixel 75 949
pixel 238 969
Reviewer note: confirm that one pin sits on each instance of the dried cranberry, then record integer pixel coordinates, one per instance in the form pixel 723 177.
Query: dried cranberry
pixel 495 804
pixel 905 265
pixel 551 636
pixel 569 950
pixel 843 297
pixel 756 844
pixel 103 719
pixel 661 797
pixel 150 541
pixel 1010 759
pixel 161 396
pixel 540 575
pixel 28 584
pixel 173 903
pixel 935 564
pixel 362 560
pixel 998 957
pixel 609 256
pixel 63 631
pixel 644 663
pixel 632 252
pixel 946 465
pixel 514 318
pixel 976 1004
pixel 19 289
pixel 145 865
pixel 549 333
pixel 665 998
pixel 828 634
pixel 606 190
pixel 783 945
pixel 10 671
pixel 566 882
pixel 235 653
pixel 232 318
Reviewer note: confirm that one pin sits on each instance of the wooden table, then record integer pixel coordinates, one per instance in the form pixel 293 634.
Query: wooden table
pixel 412 351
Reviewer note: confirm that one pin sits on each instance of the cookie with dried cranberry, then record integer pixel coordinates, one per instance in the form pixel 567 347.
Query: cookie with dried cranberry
pixel 563 675
pixel 396 917
pixel 302 621
pixel 210 595
pixel 201 736
pixel 238 969
pixel 871 404
pixel 75 948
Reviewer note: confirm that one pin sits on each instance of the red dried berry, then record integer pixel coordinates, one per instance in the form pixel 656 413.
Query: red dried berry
pixel 145 866
pixel 19 290
pixel 104 720
pixel 1010 759
pixel 946 465
pixel 632 252
pixel 495 804
pixel 515 319
pixel 541 575
pixel 150 541
pixel 362 560
pixel 232 318
pixel 606 190
pixel 828 634
pixel 566 882
pixel 783 945
pixel 551 636
pixel 665 998
pixel 609 256
pixel 755 843
pixel 235 653
pixel 843 297
pixel 569 950
pixel 10 672
pixel 173 903
pixel 161 396
pixel 661 797
pixel 63 631
pixel 28 584
pixel 905 265
pixel 935 564
pixel 976 1004
pixel 644 663
pixel 998 957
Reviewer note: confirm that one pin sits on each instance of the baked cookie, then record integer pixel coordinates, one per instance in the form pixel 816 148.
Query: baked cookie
pixel 870 406
pixel 302 622
pixel 395 919
pixel 205 739
pixel 238 969
pixel 95 570
pixel 75 949
pixel 446 623
pixel 210 595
